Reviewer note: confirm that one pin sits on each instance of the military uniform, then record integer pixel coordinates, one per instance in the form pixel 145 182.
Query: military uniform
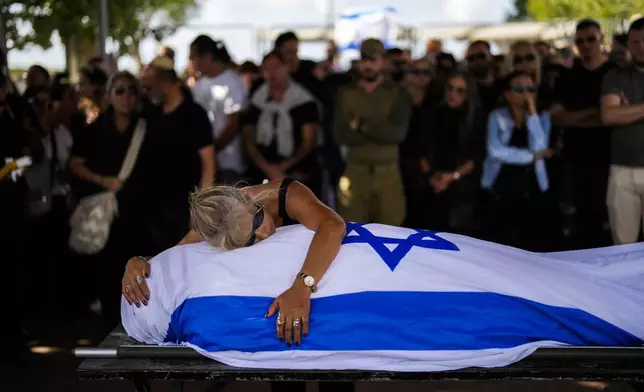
pixel 372 125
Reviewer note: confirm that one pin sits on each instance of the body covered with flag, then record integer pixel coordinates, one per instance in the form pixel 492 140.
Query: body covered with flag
pixel 394 299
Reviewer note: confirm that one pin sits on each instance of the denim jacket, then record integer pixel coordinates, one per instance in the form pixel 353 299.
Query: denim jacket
pixel 499 132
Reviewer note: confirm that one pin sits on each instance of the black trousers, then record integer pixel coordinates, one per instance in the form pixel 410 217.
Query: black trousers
pixel 583 204
pixel 520 222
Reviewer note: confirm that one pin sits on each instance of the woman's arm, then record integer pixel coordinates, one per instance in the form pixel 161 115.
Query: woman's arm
pixel 501 152
pixel 330 229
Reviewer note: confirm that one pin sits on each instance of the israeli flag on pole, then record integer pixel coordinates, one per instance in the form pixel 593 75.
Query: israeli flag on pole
pixel 395 299
pixel 357 24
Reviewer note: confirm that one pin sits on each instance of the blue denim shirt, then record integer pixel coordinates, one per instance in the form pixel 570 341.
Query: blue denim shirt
pixel 499 132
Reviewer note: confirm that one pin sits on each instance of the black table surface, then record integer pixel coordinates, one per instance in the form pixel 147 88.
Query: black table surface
pixel 567 363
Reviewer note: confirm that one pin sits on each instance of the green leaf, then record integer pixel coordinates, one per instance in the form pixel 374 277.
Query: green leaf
pixel 129 20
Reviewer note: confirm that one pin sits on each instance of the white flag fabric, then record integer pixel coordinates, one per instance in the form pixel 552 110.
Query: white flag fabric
pixel 395 299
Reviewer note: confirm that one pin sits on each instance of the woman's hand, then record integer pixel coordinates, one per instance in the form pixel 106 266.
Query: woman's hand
pixel 292 308
pixel 111 183
pixel 133 285
pixel 532 107
pixel 544 154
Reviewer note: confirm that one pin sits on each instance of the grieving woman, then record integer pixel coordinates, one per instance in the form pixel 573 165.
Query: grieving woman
pixel 452 157
pixel 231 218
pixel 514 171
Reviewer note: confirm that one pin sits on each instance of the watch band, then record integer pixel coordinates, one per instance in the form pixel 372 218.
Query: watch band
pixel 303 276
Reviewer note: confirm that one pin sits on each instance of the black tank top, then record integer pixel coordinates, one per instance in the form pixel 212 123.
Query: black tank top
pixel 286 220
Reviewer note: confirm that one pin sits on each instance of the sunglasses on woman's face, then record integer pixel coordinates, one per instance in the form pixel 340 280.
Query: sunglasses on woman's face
pixel 258 219
pixel 523 89
pixel 527 58
pixel 455 89
pixel 122 90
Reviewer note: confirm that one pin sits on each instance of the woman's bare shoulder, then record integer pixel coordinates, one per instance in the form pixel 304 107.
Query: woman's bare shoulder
pixel 255 190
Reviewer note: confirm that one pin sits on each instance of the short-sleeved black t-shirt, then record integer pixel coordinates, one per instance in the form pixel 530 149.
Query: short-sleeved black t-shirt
pixel 173 164
pixel 300 115
pixel 627 144
pixel 103 147
pixel 577 89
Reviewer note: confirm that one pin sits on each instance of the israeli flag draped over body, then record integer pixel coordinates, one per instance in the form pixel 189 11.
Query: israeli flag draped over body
pixel 395 299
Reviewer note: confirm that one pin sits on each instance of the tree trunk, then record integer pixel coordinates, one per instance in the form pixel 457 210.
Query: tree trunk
pixel 72 57
pixel 3 31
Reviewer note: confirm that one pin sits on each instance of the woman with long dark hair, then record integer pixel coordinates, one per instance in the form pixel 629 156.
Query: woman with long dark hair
pixel 453 151
pixel 515 169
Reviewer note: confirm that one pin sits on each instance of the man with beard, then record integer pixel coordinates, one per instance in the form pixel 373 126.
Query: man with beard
pixel 481 65
pixel 371 118
pixel 619 50
pixel 622 106
pixel 586 142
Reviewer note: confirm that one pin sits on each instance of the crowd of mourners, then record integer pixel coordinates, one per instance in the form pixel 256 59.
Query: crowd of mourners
pixel 537 149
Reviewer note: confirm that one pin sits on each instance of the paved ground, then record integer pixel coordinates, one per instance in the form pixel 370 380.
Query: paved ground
pixel 56 372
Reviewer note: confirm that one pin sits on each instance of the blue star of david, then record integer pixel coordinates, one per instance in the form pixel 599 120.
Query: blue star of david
pixel 393 257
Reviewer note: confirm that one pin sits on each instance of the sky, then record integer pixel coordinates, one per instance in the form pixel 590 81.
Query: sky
pixel 242 44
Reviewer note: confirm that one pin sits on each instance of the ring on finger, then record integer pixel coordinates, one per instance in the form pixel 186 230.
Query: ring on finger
pixel 280 320
pixel 139 279
pixel 127 288
pixel 296 323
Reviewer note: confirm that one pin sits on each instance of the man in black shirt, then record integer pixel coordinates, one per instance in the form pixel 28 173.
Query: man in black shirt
pixel 480 63
pixel 586 150
pixel 179 155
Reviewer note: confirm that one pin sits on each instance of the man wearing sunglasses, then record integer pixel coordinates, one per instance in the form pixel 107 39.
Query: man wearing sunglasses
pixel 586 141
pixel 481 65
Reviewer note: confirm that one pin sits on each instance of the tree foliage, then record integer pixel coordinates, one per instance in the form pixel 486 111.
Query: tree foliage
pixel 577 9
pixel 520 11
pixel 130 21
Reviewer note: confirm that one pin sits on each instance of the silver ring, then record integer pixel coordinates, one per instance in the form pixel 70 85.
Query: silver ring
pixel 280 320
pixel 127 288
pixel 139 279
pixel 296 323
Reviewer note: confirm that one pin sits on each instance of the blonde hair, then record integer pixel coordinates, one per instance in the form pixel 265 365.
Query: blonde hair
pixel 223 215
pixel 533 49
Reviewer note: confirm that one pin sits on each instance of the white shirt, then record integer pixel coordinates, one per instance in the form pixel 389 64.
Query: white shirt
pixel 220 96
pixel 63 146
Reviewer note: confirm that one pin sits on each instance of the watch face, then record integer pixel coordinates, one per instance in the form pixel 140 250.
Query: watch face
pixel 309 281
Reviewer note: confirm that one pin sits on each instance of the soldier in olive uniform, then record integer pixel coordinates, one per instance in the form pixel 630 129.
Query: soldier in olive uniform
pixel 371 119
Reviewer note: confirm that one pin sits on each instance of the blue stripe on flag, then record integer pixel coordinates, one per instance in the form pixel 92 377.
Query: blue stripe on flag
pixel 393 321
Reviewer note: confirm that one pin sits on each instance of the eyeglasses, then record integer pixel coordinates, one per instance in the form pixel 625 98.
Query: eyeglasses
pixel 476 56
pixel 258 219
pixel 122 90
pixel 455 89
pixel 523 89
pixel 527 58
pixel 585 40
